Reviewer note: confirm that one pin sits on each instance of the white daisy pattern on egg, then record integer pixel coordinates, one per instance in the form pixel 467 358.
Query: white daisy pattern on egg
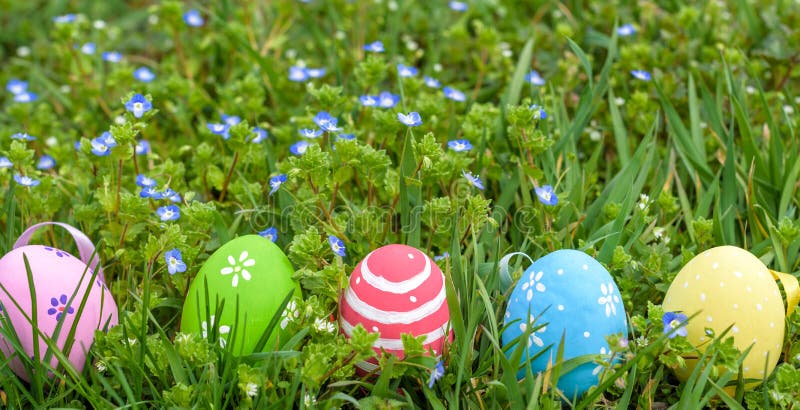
pixel 290 313
pixel 533 283
pixel 609 299
pixel 223 331
pixel 238 267
pixel 533 339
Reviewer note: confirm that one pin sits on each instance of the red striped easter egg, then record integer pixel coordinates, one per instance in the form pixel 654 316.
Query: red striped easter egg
pixel 397 289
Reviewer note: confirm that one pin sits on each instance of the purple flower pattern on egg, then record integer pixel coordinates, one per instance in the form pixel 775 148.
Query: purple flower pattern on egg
pixel 58 252
pixel 59 306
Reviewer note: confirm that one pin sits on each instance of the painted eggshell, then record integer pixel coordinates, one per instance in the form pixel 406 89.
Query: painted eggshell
pixel 397 289
pixel 57 275
pixel 730 286
pixel 573 295
pixel 251 272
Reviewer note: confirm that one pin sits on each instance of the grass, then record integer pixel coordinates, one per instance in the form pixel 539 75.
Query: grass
pixel 648 174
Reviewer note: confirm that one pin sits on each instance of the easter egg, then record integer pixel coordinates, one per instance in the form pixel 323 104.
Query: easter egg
pixel 396 289
pixel 729 286
pixel 568 293
pixel 60 283
pixel 249 277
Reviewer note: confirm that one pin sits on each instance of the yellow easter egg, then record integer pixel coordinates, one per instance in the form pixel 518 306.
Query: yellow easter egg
pixel 729 286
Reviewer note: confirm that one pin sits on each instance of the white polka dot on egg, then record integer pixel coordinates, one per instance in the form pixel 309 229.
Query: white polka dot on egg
pixel 586 334
pixel 715 265
pixel 413 298
pixel 560 271
pixel 358 280
pixel 703 297
pixel 410 256
pixel 737 274
pixel 560 307
pixel 585 267
pixel 758 306
pixel 709 318
pixel 374 328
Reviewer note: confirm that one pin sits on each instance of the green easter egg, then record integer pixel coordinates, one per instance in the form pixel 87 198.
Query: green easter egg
pixel 252 276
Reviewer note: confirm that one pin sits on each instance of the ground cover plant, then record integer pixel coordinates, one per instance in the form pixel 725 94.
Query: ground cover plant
pixel 642 133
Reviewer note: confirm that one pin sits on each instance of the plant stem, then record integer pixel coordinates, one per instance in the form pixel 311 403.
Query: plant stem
pixel 228 177
pixel 119 187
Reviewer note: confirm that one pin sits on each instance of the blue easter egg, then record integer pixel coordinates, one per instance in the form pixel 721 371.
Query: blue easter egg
pixel 573 295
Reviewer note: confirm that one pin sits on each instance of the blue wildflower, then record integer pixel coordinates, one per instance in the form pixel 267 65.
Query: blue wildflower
pixel 406 71
pixel 150 192
pixel 46 162
pixel 24 136
pixel 26 180
pixel 546 195
pixel 299 148
pixel 337 246
pixel 298 74
pixel 5 163
pixel 454 94
pixel 345 137
pixel 67 18
pixel 25 97
pixel 174 261
pixel 170 194
pixel 15 86
pixel 673 321
pixel 192 18
pixel 641 75
pixel 387 99
pixel 412 119
pixel 542 114
pixel 534 78
pixel 276 182
pixel 473 180
pixel 445 255
pixel 145 182
pixel 458 6
pixel 99 148
pixel 327 122
pixel 315 72
pixel 270 233
pixel 219 129
pixel 107 139
pixel 368 100
pixel 144 75
pixel 260 135
pixel 432 82
pixel 459 145
pixel 231 119
pixel 626 30
pixel 436 374
pixel 374 47
pixel 138 105
pixel 112 56
pixel 310 133
pixel 168 213
pixel 142 147
pixel 88 48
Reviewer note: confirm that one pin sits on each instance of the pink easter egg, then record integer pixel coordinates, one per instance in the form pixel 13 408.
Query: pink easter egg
pixel 60 282
pixel 397 289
